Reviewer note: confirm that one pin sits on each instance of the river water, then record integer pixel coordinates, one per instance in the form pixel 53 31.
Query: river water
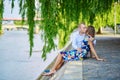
pixel 15 63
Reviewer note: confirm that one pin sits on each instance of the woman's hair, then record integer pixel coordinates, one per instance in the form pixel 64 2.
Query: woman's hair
pixel 91 31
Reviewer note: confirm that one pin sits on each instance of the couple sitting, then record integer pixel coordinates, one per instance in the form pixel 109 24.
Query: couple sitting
pixel 83 43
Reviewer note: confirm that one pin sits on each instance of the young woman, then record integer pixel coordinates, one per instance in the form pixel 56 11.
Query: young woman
pixel 90 36
pixel 82 44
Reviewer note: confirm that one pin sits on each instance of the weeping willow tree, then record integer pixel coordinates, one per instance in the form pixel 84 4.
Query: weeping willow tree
pixel 118 13
pixel 1 15
pixel 108 18
pixel 61 17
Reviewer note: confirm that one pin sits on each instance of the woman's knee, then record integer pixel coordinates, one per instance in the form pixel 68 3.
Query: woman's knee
pixel 60 54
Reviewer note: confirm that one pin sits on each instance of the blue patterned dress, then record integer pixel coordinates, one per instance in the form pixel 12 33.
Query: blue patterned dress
pixel 74 54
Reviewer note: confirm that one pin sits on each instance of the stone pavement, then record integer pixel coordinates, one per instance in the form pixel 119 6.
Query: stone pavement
pixel 107 47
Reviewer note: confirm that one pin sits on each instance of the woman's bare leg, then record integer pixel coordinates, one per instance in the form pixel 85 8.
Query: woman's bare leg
pixel 56 65
pixel 59 66
pixel 58 62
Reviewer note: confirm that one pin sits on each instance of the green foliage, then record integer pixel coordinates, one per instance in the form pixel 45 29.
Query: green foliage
pixel 118 13
pixel 58 16
pixel 20 22
pixel 49 24
pixel 1 14
pixel 27 8
pixel 23 7
pixel 31 22
pixel 107 19
pixel 61 17
pixel 12 5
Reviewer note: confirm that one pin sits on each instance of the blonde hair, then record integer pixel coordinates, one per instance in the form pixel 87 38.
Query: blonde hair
pixel 81 24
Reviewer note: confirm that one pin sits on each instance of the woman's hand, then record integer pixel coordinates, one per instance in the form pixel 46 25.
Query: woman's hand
pixel 91 38
pixel 99 59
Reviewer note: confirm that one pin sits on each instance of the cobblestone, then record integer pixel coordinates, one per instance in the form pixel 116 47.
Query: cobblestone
pixel 109 49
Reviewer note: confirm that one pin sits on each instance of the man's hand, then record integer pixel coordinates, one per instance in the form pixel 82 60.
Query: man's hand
pixel 79 49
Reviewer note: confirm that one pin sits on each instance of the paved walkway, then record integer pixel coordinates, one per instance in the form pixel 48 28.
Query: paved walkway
pixel 108 47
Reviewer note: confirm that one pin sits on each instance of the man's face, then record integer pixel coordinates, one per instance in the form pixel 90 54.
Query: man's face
pixel 82 28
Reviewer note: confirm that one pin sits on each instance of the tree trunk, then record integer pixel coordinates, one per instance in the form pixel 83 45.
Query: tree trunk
pixel 99 30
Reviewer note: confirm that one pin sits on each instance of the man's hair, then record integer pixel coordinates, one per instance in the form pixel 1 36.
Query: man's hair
pixel 91 31
pixel 81 24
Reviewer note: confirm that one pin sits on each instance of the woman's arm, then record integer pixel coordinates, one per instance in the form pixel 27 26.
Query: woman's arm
pixel 93 50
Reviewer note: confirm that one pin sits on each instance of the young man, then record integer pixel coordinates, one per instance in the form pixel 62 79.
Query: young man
pixel 78 37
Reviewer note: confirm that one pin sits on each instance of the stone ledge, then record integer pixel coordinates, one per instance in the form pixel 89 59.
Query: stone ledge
pixel 73 71
pixel 67 47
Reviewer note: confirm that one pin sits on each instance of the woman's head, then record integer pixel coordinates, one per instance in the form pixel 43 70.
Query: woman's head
pixel 91 31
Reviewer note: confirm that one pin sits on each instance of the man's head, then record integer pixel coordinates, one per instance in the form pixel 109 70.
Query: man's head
pixel 82 28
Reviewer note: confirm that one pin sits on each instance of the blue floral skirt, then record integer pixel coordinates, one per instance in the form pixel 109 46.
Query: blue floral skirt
pixel 73 55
